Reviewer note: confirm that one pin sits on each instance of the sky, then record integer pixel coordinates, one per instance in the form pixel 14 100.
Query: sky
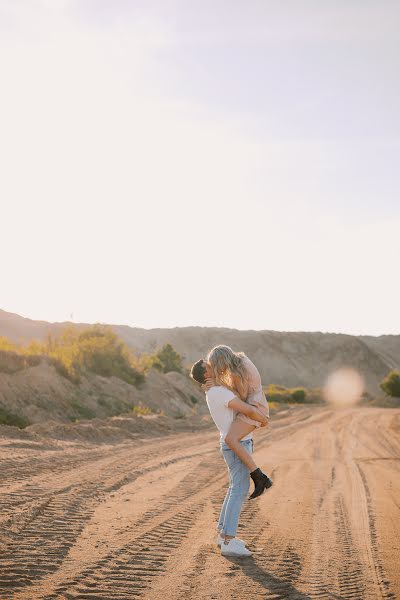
pixel 193 162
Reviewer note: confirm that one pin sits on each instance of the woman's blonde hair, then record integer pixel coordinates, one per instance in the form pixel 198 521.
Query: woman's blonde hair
pixel 224 362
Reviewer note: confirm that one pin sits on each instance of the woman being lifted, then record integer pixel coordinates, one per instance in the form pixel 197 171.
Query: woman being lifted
pixel 236 371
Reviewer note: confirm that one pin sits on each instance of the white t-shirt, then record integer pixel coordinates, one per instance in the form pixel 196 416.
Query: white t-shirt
pixel 217 401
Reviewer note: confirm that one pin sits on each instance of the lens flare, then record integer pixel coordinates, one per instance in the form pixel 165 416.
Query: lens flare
pixel 343 387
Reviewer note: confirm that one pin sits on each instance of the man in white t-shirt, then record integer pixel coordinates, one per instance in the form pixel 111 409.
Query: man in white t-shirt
pixel 223 405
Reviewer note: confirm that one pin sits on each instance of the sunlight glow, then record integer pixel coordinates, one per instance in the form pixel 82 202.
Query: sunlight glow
pixel 343 388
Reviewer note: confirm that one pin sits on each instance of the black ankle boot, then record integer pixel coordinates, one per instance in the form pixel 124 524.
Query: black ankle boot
pixel 261 482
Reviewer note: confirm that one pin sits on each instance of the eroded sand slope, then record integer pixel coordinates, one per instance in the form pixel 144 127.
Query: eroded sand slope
pixel 135 519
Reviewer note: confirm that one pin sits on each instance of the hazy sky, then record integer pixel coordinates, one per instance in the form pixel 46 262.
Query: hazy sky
pixel 224 163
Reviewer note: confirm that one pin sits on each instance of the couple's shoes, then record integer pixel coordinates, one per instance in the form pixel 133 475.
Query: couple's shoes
pixel 235 547
pixel 261 482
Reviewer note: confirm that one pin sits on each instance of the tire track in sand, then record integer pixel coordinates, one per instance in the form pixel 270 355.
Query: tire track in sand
pixel 39 545
pixel 304 532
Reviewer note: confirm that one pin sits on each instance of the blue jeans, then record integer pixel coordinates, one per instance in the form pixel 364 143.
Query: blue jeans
pixel 239 483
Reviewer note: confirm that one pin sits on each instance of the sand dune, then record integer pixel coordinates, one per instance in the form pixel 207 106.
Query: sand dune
pixel 135 519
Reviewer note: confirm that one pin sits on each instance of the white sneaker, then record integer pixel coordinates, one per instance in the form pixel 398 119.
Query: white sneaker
pixel 234 548
pixel 220 540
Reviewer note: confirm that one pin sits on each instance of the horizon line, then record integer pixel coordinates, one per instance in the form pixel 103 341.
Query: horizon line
pixel 195 326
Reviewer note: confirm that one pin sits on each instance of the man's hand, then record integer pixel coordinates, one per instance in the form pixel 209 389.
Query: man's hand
pixel 210 382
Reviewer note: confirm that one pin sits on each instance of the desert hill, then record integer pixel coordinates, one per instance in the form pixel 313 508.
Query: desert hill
pixel 39 393
pixel 285 358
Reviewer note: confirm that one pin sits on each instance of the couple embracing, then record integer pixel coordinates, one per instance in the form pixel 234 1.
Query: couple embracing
pixel 237 405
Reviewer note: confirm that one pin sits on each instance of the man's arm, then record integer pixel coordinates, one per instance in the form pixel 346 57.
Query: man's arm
pixel 248 409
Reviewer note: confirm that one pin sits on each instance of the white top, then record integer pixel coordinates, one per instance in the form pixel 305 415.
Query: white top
pixel 218 398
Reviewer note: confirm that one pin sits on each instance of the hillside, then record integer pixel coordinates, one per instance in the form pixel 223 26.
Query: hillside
pixel 39 394
pixel 284 358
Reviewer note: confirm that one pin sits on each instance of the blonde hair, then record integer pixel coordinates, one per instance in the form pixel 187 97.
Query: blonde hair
pixel 225 362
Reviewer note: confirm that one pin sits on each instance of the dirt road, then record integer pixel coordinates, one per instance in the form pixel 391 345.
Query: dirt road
pixel 136 519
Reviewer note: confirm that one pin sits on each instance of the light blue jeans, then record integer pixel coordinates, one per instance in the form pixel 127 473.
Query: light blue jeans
pixel 239 484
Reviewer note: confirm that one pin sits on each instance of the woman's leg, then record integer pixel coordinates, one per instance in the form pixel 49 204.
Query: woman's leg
pixel 236 432
pixel 239 429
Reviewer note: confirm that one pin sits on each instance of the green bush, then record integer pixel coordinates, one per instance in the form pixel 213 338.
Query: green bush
pixel 96 349
pixel 277 393
pixel 7 345
pixel 141 410
pixel 299 395
pixel 84 411
pixel 9 418
pixel 101 352
pixel 165 360
pixel 180 416
pixel 113 406
pixel 149 361
pixel 168 359
pixel 391 384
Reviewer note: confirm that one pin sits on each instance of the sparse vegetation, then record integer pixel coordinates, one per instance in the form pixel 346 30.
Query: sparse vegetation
pixel 273 405
pixel 298 395
pixel 11 361
pixel 77 352
pixel 140 411
pixel 113 405
pixel 83 410
pixel 7 345
pixel 165 360
pixel 169 359
pixel 9 418
pixel 96 349
pixel 391 384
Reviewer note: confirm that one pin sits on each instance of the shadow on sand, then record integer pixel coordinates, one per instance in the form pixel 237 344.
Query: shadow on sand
pixel 273 584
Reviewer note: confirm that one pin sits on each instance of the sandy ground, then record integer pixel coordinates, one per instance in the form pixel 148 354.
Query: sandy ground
pixel 136 519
